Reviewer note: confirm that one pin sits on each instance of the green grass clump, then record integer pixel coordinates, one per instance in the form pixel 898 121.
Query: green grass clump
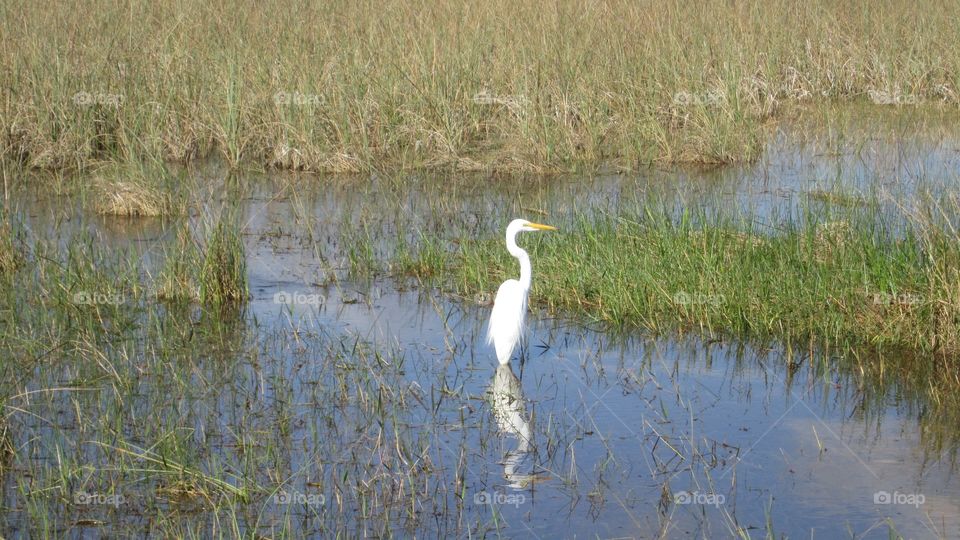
pixel 847 280
pixel 178 280
pixel 212 272
pixel 11 249
pixel 844 280
pixel 501 86
pixel 223 274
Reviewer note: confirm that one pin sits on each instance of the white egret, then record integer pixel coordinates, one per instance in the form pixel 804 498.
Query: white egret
pixel 510 305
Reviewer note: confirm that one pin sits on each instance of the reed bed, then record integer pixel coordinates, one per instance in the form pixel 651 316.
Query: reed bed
pixel 504 86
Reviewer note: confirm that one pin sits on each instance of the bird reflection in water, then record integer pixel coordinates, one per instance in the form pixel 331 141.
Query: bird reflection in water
pixel 509 410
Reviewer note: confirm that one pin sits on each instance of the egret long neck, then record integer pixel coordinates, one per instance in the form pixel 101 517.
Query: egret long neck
pixel 521 256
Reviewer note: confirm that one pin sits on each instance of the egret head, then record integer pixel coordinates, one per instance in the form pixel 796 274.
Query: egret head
pixel 522 225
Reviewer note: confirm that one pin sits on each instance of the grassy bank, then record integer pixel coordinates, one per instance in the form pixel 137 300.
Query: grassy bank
pixel 845 279
pixel 348 86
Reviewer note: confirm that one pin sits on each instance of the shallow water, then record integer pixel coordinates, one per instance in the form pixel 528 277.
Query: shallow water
pixel 604 427
pixel 375 407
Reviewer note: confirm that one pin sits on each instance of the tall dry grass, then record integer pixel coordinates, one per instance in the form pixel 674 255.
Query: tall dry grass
pixel 346 86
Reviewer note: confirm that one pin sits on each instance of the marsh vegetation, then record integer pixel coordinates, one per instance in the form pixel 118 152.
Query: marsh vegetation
pixel 285 357
pixel 502 86
pixel 204 333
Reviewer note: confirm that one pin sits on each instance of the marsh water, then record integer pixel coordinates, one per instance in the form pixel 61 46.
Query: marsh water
pixel 371 406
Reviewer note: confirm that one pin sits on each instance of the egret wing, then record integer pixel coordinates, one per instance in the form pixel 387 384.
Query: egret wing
pixel 507 319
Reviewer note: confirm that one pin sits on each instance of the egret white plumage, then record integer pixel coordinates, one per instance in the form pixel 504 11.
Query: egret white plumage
pixel 510 306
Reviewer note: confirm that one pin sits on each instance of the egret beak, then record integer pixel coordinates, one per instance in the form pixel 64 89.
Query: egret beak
pixel 542 227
